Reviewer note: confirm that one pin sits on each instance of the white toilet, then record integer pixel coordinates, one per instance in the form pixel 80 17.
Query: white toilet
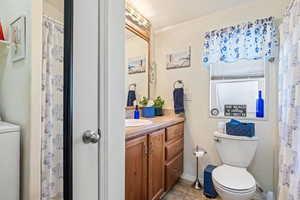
pixel 232 181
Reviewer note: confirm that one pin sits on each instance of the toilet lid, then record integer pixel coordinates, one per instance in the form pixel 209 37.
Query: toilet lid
pixel 233 177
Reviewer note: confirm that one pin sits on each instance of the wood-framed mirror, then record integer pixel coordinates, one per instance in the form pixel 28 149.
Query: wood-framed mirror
pixel 137 55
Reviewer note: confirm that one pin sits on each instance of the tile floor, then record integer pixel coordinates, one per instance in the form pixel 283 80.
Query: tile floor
pixel 183 191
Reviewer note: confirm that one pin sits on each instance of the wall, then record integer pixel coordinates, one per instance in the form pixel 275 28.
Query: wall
pixel 199 127
pixel 15 86
pixel 54 9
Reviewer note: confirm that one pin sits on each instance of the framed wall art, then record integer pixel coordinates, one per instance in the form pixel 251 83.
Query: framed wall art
pixel 179 59
pixel 137 65
pixel 18 38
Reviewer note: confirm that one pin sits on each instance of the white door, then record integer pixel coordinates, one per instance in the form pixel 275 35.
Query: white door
pixel 98 86
pixel 85 105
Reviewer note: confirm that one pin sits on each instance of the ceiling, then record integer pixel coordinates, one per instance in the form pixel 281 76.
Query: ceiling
pixel 163 13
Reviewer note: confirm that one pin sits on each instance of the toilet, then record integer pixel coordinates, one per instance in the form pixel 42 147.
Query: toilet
pixel 232 181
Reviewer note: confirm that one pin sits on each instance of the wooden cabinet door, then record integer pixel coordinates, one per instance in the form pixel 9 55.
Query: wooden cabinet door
pixel 156 165
pixel 136 169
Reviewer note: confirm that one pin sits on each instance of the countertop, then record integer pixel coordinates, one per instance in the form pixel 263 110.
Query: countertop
pixel 158 123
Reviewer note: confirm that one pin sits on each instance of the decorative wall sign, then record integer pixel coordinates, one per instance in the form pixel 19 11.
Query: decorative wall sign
pixel 179 59
pixel 235 110
pixel 137 65
pixel 18 38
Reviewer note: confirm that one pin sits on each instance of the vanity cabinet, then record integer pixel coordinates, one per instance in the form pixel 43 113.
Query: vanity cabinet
pixel 174 154
pixel 136 169
pixel 173 149
pixel 174 169
pixel 154 162
pixel 174 132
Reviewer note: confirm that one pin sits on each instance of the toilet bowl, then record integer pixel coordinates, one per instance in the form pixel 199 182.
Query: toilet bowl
pixel 232 181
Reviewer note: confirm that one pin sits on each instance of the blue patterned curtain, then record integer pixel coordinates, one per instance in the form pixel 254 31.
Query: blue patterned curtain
pixel 52 110
pixel 289 105
pixel 244 41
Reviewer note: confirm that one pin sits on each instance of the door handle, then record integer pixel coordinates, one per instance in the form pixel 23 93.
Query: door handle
pixel 90 137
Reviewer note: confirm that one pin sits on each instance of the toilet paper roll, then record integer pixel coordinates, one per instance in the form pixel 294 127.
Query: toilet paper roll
pixel 221 127
pixel 199 153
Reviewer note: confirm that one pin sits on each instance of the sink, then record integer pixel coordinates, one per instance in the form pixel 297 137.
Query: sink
pixel 137 122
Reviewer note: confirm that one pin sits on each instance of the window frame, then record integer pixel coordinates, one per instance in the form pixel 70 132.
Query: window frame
pixel 267 65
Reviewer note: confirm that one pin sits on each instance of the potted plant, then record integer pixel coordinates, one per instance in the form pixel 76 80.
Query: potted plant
pixel 158 105
pixel 147 107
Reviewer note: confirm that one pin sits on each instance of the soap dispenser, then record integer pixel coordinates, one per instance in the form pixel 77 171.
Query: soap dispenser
pixel 260 105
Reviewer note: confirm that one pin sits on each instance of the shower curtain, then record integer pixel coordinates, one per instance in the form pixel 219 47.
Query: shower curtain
pixel 289 105
pixel 52 110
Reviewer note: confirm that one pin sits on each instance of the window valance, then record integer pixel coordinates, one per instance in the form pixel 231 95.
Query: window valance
pixel 252 40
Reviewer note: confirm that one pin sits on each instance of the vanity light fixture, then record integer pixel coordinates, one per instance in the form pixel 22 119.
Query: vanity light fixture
pixel 136 17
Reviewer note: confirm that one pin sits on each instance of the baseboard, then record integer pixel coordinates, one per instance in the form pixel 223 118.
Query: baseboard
pixel 190 178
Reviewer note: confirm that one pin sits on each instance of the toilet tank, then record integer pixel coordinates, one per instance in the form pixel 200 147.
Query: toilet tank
pixel 235 150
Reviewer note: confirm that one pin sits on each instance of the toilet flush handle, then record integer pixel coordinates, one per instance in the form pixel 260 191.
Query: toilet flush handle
pixel 217 140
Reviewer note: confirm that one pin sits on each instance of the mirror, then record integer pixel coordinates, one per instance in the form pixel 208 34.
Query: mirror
pixel 137 59
pixel 234 88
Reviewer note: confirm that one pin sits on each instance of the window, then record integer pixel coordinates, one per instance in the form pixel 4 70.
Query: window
pixel 236 83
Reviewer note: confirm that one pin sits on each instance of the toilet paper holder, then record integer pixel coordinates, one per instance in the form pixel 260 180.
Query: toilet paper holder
pixel 198 153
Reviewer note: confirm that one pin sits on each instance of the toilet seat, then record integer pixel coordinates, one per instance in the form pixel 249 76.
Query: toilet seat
pixel 234 179
pixel 233 190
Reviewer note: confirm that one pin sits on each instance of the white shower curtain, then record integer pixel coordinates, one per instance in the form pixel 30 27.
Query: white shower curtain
pixel 289 105
pixel 52 110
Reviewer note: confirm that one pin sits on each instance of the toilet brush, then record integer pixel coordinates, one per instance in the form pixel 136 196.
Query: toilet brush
pixel 198 153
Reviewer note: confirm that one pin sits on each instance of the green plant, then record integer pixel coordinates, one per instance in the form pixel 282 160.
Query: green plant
pixel 144 101
pixel 159 102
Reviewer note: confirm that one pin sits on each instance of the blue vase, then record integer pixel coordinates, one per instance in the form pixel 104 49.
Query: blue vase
pixel 148 112
pixel 136 113
pixel 260 105
pixel 158 112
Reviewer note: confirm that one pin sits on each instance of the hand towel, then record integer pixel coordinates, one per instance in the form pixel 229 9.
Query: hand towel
pixel 178 95
pixel 131 97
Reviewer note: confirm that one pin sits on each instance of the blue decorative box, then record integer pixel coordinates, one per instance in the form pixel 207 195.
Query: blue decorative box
pixel 148 112
pixel 209 189
pixel 237 128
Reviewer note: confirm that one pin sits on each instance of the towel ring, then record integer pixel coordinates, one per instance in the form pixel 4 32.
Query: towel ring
pixel 179 82
pixel 132 85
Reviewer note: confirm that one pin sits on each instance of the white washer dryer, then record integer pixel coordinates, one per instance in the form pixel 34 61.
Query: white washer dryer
pixel 9 161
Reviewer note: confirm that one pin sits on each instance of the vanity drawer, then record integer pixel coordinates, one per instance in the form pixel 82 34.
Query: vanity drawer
pixel 174 149
pixel 175 131
pixel 173 171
